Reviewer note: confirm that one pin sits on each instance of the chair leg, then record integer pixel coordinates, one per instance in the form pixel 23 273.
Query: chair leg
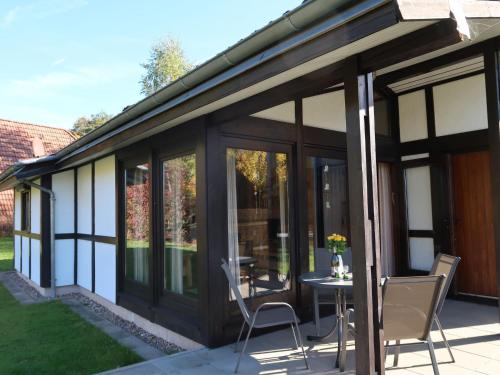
pixel 244 348
pixel 386 351
pixel 396 353
pixel 239 337
pixel 294 336
pixel 433 356
pixel 301 344
pixel 438 323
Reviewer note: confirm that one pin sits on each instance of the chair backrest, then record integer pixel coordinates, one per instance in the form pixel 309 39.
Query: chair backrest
pixel 236 292
pixel 322 259
pixel 409 305
pixel 444 265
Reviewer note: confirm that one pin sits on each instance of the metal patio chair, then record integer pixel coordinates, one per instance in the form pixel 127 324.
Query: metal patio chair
pixel 269 314
pixel 409 307
pixel 444 265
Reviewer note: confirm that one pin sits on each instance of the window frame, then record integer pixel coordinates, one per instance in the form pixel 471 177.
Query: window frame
pixel 290 295
pixel 127 286
pixel 25 196
pixel 167 298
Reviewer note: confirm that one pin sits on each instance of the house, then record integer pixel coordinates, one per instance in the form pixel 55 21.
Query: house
pixel 20 140
pixel 375 119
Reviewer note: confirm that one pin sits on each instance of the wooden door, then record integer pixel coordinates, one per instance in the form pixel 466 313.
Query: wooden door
pixel 473 223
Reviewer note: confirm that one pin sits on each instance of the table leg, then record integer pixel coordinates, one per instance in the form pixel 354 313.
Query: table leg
pixel 335 326
pixel 341 310
pixel 316 310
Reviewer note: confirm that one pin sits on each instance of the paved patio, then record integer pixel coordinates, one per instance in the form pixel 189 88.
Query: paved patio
pixel 472 330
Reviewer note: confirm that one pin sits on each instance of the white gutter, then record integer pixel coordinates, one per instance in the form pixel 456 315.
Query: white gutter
pixel 52 232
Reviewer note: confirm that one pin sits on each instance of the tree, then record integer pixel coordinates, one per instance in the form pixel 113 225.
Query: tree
pixel 166 63
pixel 85 125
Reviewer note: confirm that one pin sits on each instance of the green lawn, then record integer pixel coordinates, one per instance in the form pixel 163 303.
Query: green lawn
pixel 48 338
pixel 6 253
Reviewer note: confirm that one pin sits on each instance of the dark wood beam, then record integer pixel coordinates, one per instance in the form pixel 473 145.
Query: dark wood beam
pixel 431 64
pixel 492 73
pixel 363 210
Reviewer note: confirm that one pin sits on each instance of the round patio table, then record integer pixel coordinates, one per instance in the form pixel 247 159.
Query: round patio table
pixel 323 280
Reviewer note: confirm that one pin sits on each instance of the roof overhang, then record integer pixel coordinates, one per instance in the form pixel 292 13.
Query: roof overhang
pixel 273 56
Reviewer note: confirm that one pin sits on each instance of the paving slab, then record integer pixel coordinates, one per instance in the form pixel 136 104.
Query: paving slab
pixel 474 334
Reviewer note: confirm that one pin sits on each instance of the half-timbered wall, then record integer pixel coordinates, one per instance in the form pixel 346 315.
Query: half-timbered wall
pixel 104 225
pixel 17 227
pixel 431 121
pixel 64 190
pixel 35 243
pixel 84 224
pixel 27 246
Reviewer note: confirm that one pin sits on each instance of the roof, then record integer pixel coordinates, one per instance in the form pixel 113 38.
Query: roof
pixel 211 85
pixel 20 141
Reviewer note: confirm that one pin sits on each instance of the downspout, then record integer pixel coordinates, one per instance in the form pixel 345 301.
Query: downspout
pixel 52 233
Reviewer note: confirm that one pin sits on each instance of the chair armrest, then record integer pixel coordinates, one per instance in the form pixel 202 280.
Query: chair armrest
pixel 275 304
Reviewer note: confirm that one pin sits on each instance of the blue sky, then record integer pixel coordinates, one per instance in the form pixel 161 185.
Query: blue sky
pixel 62 59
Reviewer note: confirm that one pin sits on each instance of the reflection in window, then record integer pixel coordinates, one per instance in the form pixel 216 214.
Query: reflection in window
pixel 328 206
pixel 137 182
pixel 179 212
pixel 258 233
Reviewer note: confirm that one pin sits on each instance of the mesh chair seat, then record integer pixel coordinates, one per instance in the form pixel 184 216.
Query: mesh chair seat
pixel 275 316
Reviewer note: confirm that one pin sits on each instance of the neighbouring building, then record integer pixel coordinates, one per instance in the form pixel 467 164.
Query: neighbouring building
pixel 19 141
pixel 375 119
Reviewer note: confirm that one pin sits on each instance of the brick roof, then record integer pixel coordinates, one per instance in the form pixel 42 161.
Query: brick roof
pixel 24 141
pixel 19 141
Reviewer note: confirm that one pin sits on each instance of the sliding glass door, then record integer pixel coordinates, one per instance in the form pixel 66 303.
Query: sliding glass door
pixel 327 206
pixel 259 233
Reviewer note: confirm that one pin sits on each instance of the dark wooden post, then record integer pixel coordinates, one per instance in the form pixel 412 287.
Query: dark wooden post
pixel 492 76
pixel 363 206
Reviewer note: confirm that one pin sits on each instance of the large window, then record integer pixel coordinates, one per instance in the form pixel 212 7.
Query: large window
pixel 258 222
pixel 179 216
pixel 137 226
pixel 328 206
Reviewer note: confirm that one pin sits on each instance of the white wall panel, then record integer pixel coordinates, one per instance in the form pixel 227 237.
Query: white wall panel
pixel 25 259
pixel 326 111
pixel 412 116
pixel 17 210
pixel 35 260
pixel 419 202
pixel 85 264
pixel 105 197
pixel 84 192
pixel 65 254
pixel 460 106
pixel 421 253
pixel 17 253
pixel 63 187
pixel 35 208
pixel 284 112
pixel 105 271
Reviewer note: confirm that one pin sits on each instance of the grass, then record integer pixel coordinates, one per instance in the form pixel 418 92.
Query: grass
pixel 49 338
pixel 6 253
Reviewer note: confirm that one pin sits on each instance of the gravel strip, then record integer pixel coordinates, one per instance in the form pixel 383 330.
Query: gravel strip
pixel 150 339
pixel 12 276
